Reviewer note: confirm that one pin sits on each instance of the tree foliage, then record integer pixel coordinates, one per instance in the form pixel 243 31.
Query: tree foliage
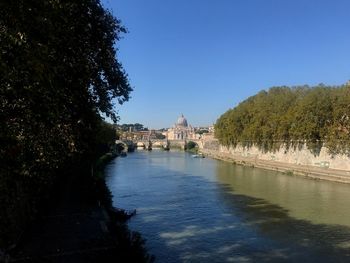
pixel 191 145
pixel 132 126
pixel 316 116
pixel 58 72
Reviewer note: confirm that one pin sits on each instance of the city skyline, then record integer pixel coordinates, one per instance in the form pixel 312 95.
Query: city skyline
pixel 171 125
pixel 201 58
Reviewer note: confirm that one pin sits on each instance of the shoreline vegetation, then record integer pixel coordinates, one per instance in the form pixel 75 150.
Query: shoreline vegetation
pixel 90 197
pixel 191 147
pixel 60 77
pixel 130 245
pixel 289 118
pixel 292 116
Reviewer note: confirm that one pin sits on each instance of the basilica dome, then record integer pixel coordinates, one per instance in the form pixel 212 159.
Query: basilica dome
pixel 181 121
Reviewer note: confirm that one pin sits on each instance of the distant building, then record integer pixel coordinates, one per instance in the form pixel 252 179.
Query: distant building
pixel 181 130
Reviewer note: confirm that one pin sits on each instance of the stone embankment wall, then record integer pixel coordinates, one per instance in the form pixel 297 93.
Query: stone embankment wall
pixel 177 144
pixel 299 160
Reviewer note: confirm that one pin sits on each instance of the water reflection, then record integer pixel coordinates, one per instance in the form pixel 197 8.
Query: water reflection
pixel 317 201
pixel 204 210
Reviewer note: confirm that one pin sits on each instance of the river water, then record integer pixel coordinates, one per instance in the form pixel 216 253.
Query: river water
pixel 205 210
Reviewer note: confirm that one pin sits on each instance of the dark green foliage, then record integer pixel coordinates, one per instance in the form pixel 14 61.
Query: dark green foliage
pixel 201 131
pixel 160 136
pixel 191 145
pixel 132 127
pixel 58 72
pixel 106 136
pixel 130 246
pixel 316 116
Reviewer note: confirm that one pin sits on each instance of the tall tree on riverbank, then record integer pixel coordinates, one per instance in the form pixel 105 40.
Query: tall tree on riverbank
pixel 58 72
pixel 316 116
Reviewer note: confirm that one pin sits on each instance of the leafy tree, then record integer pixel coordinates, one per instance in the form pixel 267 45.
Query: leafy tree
pixel 133 127
pixel 160 136
pixel 191 145
pixel 202 131
pixel 106 136
pixel 338 139
pixel 58 72
pixel 288 116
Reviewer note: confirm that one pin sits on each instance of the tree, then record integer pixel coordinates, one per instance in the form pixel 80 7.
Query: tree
pixel 191 145
pixel 58 72
pixel 133 127
pixel 316 116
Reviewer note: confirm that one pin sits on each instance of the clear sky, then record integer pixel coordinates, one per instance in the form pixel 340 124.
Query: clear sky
pixel 202 57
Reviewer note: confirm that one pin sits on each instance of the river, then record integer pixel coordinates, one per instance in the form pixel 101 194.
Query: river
pixel 205 210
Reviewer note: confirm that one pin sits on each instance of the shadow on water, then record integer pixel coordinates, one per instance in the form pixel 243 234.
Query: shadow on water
pixel 263 233
pixel 188 218
pixel 292 239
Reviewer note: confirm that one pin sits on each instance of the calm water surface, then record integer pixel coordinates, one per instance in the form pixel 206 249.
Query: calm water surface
pixel 204 210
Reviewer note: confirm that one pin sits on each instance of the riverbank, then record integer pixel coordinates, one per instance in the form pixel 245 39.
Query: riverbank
pixel 317 173
pixel 81 226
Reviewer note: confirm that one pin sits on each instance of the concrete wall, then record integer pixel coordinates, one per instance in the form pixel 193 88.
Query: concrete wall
pixel 177 144
pixel 291 156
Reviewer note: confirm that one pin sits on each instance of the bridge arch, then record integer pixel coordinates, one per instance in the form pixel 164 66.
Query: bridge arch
pixel 121 146
pixel 191 145
pixel 141 144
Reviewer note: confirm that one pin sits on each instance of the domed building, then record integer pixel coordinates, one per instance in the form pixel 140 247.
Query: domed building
pixel 181 130
pixel 181 121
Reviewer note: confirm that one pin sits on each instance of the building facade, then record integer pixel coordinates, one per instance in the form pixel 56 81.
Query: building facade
pixel 181 130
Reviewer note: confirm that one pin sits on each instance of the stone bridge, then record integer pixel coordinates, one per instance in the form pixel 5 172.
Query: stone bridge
pixel 126 145
pixel 130 145
pixel 159 143
pixel 153 143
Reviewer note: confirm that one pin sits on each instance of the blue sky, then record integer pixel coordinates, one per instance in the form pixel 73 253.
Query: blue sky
pixel 202 57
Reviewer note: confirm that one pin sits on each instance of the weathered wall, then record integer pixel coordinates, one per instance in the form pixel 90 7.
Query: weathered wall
pixel 291 156
pixel 177 144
